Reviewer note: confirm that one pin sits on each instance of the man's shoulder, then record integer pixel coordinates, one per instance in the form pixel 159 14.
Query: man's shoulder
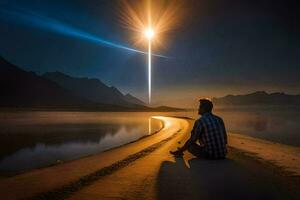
pixel 209 116
pixel 217 117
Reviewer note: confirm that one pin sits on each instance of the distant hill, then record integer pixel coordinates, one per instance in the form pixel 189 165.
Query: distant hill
pixel 258 98
pixel 20 88
pixel 93 90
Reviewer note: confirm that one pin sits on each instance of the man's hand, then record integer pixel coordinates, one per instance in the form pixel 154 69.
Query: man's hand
pixel 177 153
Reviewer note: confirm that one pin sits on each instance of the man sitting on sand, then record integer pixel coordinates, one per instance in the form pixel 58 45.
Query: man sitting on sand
pixel 209 131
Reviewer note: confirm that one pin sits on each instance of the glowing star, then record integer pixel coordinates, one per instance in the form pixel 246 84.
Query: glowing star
pixel 149 33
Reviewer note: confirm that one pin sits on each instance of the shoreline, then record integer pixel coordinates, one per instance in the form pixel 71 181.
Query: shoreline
pixel 59 162
pixel 80 173
pixel 281 155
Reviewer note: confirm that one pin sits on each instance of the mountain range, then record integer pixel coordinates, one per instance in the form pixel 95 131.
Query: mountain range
pixel 20 88
pixel 23 89
pixel 258 98
pixel 93 90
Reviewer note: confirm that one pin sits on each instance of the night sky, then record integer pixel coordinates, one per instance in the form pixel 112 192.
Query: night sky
pixel 217 48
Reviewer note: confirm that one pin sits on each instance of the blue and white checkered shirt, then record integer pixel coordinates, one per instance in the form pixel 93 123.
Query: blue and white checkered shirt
pixel 210 131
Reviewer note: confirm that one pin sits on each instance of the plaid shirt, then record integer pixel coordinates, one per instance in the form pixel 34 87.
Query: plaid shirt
pixel 210 131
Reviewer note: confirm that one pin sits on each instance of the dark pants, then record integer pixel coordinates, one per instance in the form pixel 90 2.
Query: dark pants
pixel 197 150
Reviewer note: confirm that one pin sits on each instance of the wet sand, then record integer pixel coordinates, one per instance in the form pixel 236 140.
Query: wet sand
pixel 255 169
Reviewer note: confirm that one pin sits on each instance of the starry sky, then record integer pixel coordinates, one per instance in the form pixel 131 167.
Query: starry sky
pixel 218 47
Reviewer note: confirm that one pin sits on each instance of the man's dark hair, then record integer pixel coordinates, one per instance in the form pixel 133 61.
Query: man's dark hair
pixel 207 104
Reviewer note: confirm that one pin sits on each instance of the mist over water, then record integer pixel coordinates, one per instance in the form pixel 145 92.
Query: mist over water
pixel 38 139
pixel 278 124
pixel 274 123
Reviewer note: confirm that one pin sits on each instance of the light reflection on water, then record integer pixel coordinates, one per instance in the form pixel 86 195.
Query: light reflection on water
pixel 36 139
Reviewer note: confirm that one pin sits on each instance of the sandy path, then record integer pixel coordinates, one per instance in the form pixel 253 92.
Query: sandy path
pixel 161 176
pixel 136 181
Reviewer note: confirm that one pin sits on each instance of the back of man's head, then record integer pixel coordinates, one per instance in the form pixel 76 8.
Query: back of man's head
pixel 205 106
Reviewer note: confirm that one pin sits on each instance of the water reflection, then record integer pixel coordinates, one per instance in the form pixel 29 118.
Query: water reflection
pixel 31 140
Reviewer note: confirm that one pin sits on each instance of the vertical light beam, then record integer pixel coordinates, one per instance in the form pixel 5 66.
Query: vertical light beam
pixel 149 34
pixel 149 70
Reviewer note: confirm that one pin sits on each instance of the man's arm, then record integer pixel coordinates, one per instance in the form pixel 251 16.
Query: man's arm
pixel 195 134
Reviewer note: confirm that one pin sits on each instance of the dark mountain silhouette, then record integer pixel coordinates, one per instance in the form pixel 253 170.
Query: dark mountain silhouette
pixel 93 90
pixel 259 98
pixel 20 88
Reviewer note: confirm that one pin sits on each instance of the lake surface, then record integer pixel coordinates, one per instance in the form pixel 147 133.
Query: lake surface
pixel 36 139
pixel 276 124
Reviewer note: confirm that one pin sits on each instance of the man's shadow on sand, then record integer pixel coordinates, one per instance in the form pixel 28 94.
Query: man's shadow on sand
pixel 210 179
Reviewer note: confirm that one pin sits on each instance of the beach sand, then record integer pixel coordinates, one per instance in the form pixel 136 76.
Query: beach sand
pixel 254 169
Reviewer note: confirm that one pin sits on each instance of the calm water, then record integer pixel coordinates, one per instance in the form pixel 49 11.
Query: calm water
pixel 37 139
pixel 276 124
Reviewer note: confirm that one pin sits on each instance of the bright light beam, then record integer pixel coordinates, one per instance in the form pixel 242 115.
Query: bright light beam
pixel 35 20
pixel 149 70
pixel 147 20
pixel 149 33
